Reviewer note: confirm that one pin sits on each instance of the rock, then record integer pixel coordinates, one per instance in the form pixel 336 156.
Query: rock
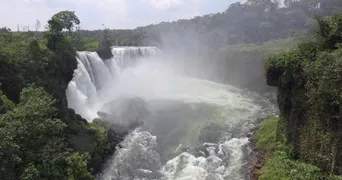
pixel 273 76
pixel 126 111
pixel 115 137
pixel 105 53
pixel 211 133
pixel 258 172
pixel 122 116
pixel 98 121
pixel 258 166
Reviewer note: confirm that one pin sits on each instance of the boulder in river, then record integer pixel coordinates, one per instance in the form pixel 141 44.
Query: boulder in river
pixel 127 113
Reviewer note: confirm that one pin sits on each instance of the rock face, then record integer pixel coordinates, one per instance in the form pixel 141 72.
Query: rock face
pixel 105 52
pixel 243 69
pixel 258 161
pixel 309 100
pixel 211 133
pixel 122 116
pixel 126 112
pixel 115 136
pixel 272 76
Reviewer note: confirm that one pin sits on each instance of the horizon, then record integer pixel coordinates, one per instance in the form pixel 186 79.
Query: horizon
pixel 112 14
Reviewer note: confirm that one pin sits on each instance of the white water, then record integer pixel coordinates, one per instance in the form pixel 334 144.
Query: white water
pixel 139 72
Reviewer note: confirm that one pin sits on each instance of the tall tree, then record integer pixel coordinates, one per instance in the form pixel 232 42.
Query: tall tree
pixel 67 19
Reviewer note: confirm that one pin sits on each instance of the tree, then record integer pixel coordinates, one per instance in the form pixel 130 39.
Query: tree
pixel 32 144
pixel 105 51
pixel 64 20
pixel 68 19
pixel 267 4
pixel 29 135
pixel 58 22
pixel 5 103
pixel 78 167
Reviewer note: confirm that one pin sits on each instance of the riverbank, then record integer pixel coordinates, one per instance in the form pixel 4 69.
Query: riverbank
pixel 273 156
pixel 262 141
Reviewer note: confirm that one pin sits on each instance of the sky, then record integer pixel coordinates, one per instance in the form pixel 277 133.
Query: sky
pixel 114 14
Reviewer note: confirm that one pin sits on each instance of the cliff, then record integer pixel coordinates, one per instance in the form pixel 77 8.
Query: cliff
pixel 309 82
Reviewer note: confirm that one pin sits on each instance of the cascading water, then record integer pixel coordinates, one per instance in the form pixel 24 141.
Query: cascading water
pixel 193 129
pixel 94 77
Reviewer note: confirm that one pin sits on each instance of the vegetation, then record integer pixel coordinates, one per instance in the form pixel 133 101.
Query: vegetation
pixel 40 138
pixel 105 51
pixel 268 48
pixel 280 161
pixel 32 144
pixel 309 97
pixel 266 136
pixel 255 21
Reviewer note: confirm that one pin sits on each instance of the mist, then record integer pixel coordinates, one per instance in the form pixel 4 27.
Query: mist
pixel 170 113
pixel 191 97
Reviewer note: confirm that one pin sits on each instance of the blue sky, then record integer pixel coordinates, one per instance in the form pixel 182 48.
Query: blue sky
pixel 116 14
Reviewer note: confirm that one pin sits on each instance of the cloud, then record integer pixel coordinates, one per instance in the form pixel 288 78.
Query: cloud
pixel 116 14
pixel 34 1
pixel 163 4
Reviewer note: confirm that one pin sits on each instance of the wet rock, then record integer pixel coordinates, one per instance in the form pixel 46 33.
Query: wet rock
pixel 115 137
pixel 273 76
pixel 127 112
pixel 121 117
pixel 211 133
pixel 105 53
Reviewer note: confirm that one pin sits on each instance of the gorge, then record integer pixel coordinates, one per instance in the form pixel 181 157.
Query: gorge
pixel 190 128
pixel 252 92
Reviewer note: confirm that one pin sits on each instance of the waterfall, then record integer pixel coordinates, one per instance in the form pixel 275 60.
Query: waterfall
pixel 90 87
pixel 193 129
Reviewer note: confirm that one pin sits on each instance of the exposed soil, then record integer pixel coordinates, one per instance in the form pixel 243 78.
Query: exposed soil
pixel 257 158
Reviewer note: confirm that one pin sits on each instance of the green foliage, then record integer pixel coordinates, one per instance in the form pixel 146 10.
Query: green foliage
pixel 78 167
pixel 32 142
pixel 5 103
pixel 266 136
pixel 330 31
pixel 91 45
pixel 92 139
pixel 280 69
pixel 63 20
pixel 30 135
pixel 282 167
pixel 309 81
pixel 39 134
pixel 280 162
pixel 256 21
pixel 105 51
pixel 269 48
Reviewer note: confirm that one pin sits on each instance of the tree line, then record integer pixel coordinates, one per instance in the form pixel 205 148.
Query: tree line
pixel 40 138
pixel 255 21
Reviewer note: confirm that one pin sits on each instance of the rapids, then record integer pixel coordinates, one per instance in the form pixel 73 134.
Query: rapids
pixel 195 129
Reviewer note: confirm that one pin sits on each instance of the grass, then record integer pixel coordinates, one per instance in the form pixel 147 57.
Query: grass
pixel 266 136
pixel 280 165
pixel 269 48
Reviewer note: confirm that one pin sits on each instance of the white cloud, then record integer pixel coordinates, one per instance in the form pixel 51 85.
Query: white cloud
pixel 112 13
pixel 163 4
pixel 34 1
pixel 92 13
